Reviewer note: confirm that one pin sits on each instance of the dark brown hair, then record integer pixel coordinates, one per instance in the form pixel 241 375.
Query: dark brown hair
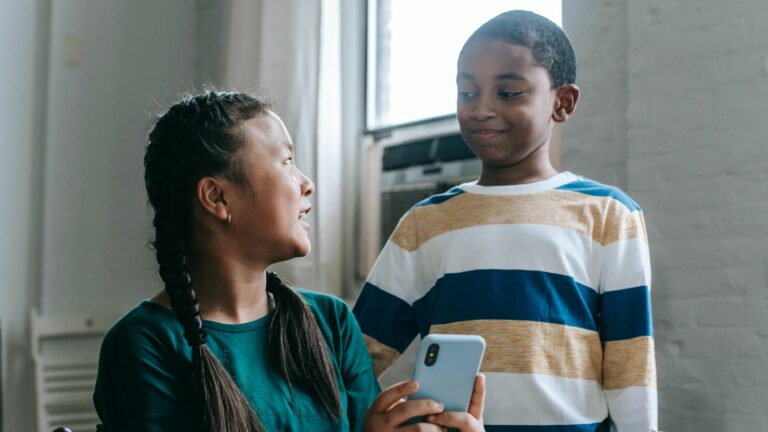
pixel 202 136
pixel 548 42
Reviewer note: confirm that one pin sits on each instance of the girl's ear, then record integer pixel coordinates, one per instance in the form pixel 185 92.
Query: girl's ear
pixel 211 194
pixel 566 98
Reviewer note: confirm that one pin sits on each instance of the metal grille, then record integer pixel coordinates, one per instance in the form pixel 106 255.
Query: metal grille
pixel 67 395
pixel 65 349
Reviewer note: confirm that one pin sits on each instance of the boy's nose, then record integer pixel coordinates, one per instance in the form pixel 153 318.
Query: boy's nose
pixel 483 110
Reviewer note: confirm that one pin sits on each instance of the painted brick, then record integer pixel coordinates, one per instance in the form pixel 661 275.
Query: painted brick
pixel 674 95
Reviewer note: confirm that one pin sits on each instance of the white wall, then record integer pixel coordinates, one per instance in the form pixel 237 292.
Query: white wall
pixel 674 99
pixel 20 186
pixel 96 222
pixel 72 132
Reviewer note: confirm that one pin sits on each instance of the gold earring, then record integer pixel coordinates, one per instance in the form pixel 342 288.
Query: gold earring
pixel 229 219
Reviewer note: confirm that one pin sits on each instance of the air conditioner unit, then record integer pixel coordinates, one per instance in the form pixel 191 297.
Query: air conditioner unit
pixel 415 167
pixel 399 168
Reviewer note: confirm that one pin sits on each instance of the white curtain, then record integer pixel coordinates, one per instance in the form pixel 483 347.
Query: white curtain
pixel 288 50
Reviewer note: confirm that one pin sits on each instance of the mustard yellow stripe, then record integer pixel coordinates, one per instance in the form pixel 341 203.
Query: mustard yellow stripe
pixel 590 215
pixel 622 225
pixel 534 347
pixel 382 355
pixel 629 363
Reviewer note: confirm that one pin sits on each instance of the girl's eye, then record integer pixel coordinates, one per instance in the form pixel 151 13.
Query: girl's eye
pixel 466 94
pixel 290 161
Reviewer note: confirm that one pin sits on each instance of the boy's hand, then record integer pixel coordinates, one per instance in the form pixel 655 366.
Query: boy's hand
pixel 390 410
pixel 465 422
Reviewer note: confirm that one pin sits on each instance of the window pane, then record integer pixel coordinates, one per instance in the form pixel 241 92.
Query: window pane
pixel 413 46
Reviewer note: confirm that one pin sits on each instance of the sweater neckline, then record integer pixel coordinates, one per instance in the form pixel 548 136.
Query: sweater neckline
pixel 214 325
pixel 553 182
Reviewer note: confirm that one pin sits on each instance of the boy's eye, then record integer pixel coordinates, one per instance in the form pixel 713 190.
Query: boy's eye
pixel 509 94
pixel 289 161
pixel 466 94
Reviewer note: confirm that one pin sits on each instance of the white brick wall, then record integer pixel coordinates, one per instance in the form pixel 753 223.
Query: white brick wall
pixel 672 111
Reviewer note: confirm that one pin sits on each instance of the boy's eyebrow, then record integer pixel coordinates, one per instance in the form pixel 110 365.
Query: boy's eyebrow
pixel 510 76
pixel 505 76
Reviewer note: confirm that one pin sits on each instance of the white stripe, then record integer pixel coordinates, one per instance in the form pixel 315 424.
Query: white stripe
pixel 531 399
pixel 536 247
pixel 395 273
pixel 634 408
pixel 553 182
pixel 533 247
pixel 626 264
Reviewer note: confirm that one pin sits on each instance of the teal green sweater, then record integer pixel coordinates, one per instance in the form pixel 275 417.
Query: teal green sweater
pixel 145 369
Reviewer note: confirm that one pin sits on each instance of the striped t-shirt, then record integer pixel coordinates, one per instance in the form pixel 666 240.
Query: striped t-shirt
pixel 555 275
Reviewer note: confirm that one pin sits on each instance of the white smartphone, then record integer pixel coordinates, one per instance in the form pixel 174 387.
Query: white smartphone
pixel 446 367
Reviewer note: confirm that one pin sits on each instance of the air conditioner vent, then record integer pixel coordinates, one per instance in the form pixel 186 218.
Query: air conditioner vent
pixel 452 147
pixel 409 154
pixel 415 170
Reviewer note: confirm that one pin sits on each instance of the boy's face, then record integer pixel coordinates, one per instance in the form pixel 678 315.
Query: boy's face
pixel 506 106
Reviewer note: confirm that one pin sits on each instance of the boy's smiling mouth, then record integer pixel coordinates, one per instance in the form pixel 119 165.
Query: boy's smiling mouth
pixel 487 133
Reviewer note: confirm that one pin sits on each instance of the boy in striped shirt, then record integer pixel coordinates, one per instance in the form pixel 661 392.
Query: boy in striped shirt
pixel 551 268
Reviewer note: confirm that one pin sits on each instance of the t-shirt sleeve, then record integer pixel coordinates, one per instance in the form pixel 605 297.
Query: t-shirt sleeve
pixel 626 327
pixel 357 370
pixel 383 309
pixel 136 388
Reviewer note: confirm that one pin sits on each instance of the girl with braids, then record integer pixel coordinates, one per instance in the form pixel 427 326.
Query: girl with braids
pixel 227 346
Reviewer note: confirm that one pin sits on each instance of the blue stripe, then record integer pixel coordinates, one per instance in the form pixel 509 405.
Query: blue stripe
pixel 595 427
pixel 386 318
pixel 625 314
pixel 508 295
pixel 590 187
pixel 443 197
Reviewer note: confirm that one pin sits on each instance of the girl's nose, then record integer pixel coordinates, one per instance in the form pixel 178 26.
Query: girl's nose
pixel 307 187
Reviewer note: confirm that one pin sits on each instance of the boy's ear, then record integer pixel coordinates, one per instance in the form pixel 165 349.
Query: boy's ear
pixel 211 194
pixel 566 98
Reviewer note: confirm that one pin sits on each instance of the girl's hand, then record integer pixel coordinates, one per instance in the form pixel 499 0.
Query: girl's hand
pixel 465 422
pixel 390 410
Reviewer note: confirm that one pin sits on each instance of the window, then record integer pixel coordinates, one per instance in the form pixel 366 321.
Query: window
pixel 412 50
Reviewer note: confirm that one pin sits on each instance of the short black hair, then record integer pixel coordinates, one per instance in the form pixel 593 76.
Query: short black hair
pixel 550 45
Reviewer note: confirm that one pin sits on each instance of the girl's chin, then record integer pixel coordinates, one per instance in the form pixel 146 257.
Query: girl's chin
pixel 304 248
pixel 298 250
pixel 305 251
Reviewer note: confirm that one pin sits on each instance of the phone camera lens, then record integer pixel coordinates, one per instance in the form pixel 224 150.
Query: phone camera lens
pixel 431 356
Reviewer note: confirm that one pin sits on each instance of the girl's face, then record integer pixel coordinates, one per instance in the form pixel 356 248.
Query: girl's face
pixel 268 213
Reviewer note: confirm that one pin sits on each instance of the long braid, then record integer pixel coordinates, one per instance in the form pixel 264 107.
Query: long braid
pixel 201 136
pixel 219 404
pixel 297 348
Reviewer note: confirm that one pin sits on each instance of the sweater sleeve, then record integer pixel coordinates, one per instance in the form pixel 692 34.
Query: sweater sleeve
pixel 626 327
pixel 384 308
pixel 135 385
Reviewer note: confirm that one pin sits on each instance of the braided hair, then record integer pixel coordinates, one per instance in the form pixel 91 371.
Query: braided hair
pixel 202 136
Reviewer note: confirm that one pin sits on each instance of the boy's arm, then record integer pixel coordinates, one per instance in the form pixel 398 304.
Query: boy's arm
pixel 385 308
pixel 626 327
